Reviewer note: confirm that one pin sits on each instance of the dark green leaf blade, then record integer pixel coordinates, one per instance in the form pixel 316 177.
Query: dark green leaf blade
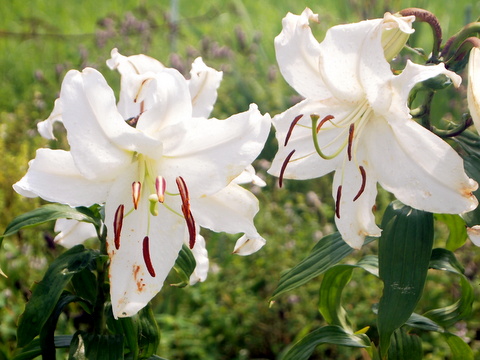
pixel 325 254
pixel 460 349
pixel 330 334
pixel 47 293
pixel 94 346
pixel 405 346
pixel 47 213
pixel 184 266
pixel 405 249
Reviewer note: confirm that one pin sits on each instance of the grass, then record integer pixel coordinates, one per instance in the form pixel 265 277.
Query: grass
pixel 227 317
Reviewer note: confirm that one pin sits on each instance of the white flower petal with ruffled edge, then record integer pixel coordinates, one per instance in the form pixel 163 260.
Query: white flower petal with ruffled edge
pixel 72 232
pixel 249 176
pixel 146 249
pixel 248 244
pixel 167 103
pixel 428 174
pixel 203 84
pixel 232 210
pixel 53 176
pixel 200 254
pixel 402 84
pixel 474 234
pixel 298 54
pixel 354 201
pixel 45 127
pixel 93 122
pixel 473 89
pixel 209 154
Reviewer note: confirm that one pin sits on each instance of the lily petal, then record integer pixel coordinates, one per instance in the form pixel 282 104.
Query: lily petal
pixel 203 84
pixel 93 122
pixel 45 127
pixel 298 54
pixel 200 254
pixel 429 174
pixel 354 218
pixel 167 103
pixel 232 210
pixel 209 154
pixel 473 90
pixel 73 232
pixel 139 266
pixel 248 245
pixel 53 176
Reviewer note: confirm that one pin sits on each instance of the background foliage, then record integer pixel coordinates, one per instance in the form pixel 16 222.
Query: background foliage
pixel 228 316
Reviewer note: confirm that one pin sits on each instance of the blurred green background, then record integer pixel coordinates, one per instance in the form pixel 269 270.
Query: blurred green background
pixel 228 316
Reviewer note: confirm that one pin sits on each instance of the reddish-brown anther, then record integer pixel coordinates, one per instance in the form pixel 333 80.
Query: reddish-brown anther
pixel 117 225
pixel 146 256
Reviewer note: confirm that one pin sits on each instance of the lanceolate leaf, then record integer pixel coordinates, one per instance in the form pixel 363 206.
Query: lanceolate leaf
pixel 94 346
pixel 326 253
pixel 457 229
pixel 332 287
pixel 184 266
pixel 460 349
pixel 47 293
pixel 405 248
pixel 47 213
pixel 405 346
pixel 325 335
pixel 33 350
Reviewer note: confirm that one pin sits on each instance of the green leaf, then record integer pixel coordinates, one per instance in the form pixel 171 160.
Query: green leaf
pixel 458 231
pixel 85 284
pixel 333 283
pixel 141 333
pixel 47 213
pixel 325 254
pixel 460 349
pixel 34 350
pixel 47 293
pixel 47 338
pixel 184 266
pixel 405 248
pixel 87 346
pixel 423 323
pixel 405 346
pixel 330 334
pixel 445 260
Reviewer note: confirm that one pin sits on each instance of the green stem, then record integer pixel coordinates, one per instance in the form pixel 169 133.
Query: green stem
pixel 457 130
pixel 456 40
pixel 99 325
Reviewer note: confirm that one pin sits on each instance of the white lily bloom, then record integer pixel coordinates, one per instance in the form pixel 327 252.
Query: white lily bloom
pixel 473 88
pixel 355 121
pixel 160 176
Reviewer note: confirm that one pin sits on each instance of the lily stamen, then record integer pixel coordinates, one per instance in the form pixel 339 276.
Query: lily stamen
pixel 315 118
pixel 284 166
pixel 146 256
pixel 292 125
pixel 117 225
pixel 364 182
pixel 323 121
pixel 160 187
pixel 337 201
pixel 136 191
pixel 187 214
pixel 350 141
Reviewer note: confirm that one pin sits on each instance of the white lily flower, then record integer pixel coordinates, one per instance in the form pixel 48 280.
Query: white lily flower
pixel 473 87
pixel 355 121
pixel 159 176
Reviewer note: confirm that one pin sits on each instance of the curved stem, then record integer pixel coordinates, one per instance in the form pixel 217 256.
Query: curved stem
pixel 457 130
pixel 456 40
pixel 426 16
pixel 463 50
